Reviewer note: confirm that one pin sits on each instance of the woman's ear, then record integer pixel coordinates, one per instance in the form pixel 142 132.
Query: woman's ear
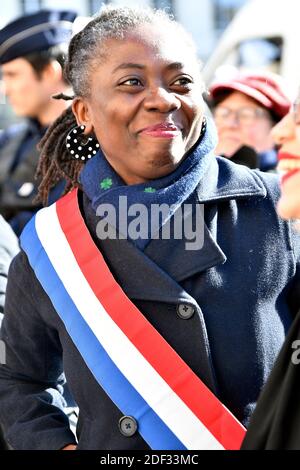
pixel 80 109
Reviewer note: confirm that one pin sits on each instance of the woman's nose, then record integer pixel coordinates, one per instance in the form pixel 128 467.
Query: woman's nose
pixel 284 130
pixel 160 99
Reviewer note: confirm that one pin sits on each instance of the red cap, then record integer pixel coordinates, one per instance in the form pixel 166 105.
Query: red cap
pixel 263 87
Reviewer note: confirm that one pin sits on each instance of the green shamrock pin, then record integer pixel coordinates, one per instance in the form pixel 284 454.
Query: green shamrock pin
pixel 149 190
pixel 106 183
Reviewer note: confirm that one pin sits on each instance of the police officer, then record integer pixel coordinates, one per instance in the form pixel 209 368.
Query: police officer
pixel 31 56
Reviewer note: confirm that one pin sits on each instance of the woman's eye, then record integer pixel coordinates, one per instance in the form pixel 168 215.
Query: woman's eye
pixel 131 82
pixel 183 81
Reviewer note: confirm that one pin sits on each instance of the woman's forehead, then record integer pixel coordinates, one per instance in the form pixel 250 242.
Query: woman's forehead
pixel 144 50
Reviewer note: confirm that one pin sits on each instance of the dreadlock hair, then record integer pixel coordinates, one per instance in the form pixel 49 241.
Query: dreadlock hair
pixel 86 51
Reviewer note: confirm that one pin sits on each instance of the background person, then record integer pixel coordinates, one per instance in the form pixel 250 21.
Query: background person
pixel 287 136
pixel 220 311
pixel 9 247
pixel 32 52
pixel 276 420
pixel 245 107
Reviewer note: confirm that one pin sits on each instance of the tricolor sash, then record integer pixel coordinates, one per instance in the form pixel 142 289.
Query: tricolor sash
pixel 131 361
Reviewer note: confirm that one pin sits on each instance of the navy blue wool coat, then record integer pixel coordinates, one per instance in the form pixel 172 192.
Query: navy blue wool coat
pixel 243 286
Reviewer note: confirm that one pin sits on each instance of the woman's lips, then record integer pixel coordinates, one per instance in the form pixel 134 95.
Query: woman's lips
pixel 289 174
pixel 168 131
pixel 287 156
pixel 288 165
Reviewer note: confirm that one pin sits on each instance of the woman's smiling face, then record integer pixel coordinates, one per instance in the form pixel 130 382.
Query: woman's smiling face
pixel 287 136
pixel 145 103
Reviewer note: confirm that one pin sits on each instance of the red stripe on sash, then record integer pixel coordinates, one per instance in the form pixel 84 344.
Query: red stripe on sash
pixel 156 350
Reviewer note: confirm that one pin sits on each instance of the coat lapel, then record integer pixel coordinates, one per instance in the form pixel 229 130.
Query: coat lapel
pixel 225 180
pixel 219 184
pixel 177 258
pixel 124 259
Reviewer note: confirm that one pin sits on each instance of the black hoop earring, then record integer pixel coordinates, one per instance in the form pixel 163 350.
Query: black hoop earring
pixel 78 148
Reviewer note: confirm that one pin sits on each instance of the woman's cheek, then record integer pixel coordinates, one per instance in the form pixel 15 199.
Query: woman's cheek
pixel 289 203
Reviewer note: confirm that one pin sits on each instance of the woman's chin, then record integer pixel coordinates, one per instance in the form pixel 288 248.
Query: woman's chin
pixel 289 204
pixel 164 160
pixel 288 211
pixel 158 169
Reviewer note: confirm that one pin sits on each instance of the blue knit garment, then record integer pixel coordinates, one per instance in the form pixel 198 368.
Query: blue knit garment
pixel 268 160
pixel 103 185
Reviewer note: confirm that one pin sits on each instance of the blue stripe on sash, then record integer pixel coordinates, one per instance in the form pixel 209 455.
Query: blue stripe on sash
pixel 155 432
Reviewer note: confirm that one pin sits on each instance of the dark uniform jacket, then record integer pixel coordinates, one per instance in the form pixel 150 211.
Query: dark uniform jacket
pixel 241 289
pixel 18 163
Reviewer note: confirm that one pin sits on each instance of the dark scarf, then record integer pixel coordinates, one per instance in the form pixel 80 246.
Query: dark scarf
pixel 103 185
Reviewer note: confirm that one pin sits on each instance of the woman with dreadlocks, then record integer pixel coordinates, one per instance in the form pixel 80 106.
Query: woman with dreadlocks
pixel 154 283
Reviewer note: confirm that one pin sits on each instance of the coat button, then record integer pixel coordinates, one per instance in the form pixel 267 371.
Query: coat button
pixel 185 311
pixel 128 426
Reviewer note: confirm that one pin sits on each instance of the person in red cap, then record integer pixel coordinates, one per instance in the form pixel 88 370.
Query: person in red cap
pixel 245 107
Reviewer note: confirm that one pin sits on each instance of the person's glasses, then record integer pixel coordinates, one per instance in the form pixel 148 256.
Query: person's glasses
pixel 296 111
pixel 243 115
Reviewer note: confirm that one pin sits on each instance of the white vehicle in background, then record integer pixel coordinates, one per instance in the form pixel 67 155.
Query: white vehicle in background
pixel 264 34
